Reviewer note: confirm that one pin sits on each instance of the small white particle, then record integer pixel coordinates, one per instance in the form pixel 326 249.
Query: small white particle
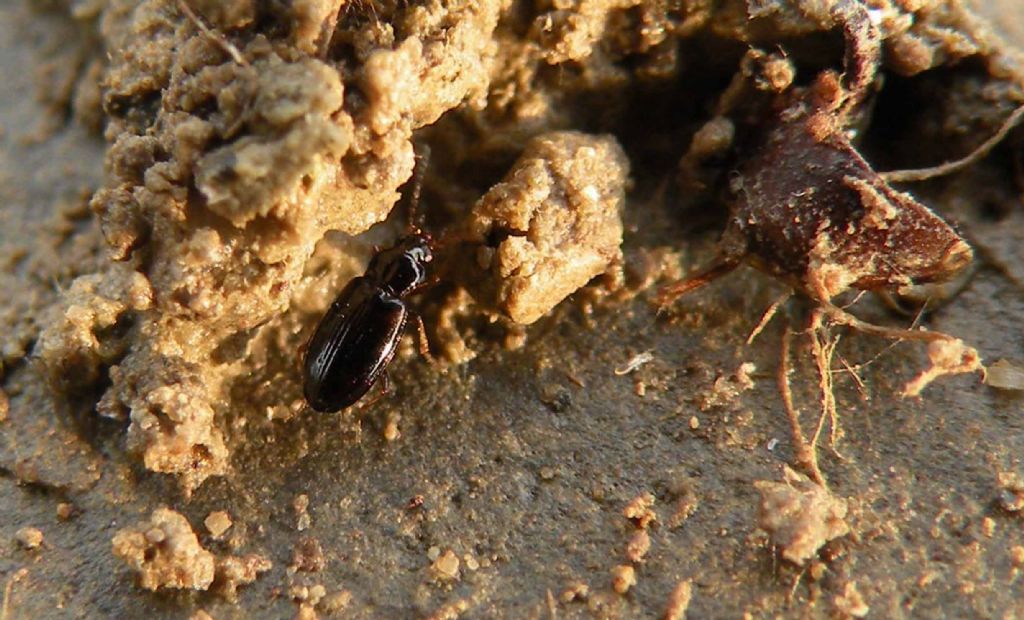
pixel 635 362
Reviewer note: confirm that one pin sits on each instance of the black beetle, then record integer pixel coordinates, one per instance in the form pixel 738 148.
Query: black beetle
pixel 358 335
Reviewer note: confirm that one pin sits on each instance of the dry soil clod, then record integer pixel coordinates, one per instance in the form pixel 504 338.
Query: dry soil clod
pixel 679 601
pixel 165 553
pixel 29 537
pixel 233 149
pixel 552 225
pixel 800 515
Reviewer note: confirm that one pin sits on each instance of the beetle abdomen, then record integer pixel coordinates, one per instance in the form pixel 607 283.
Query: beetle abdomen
pixel 352 345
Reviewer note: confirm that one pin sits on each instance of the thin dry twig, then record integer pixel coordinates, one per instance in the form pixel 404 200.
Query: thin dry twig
pixel 923 174
pixel 214 36
pixel 857 380
pixel 5 610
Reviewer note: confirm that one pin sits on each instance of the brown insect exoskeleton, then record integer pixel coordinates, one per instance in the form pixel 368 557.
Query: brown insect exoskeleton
pixel 809 210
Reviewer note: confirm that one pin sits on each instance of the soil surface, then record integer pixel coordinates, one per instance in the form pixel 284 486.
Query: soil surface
pixel 169 236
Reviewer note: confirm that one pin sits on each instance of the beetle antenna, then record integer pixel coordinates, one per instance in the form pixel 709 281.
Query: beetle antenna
pixel 419 172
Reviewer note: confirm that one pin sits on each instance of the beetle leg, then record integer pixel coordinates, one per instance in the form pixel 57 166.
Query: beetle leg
pixel 842 317
pixel 431 280
pixel 422 341
pixel 300 359
pixel 385 389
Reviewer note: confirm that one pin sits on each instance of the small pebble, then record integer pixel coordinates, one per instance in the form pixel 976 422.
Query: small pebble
pixel 65 511
pixel 577 591
pixel 155 535
pixel 217 523
pixel 29 537
pixel 308 556
pixel 391 431
pixel 623 578
pixel 301 505
pixel 447 566
pixel 817 570
pixel 316 594
pixel 679 601
pixel 1017 556
pixel 988 527
pixel 638 546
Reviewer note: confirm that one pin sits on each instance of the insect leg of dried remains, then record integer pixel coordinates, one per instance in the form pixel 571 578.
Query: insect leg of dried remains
pixel 672 292
pixel 976 155
pixel 809 210
pixel 805 457
pixel 768 315
pixel 823 354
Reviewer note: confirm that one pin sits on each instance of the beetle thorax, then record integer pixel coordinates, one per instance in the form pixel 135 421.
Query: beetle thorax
pixel 402 269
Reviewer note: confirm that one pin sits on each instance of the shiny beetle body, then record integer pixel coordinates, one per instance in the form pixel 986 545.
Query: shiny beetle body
pixel 359 334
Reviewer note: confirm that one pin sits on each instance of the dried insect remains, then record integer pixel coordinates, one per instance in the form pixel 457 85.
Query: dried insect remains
pixel 808 209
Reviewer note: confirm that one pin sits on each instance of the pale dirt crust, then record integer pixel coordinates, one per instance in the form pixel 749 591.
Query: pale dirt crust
pixel 546 470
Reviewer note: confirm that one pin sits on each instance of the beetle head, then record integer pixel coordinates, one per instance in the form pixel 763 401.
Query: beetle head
pixel 403 268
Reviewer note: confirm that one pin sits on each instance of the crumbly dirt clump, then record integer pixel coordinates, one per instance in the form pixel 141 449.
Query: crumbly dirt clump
pixel 165 553
pixel 228 162
pixel 232 153
pixel 800 515
pixel 555 222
